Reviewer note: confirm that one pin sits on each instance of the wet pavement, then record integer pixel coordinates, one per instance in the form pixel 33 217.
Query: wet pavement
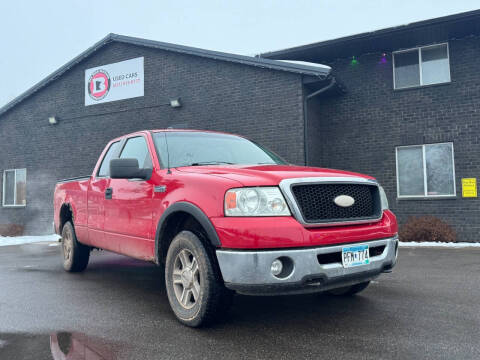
pixel 428 308
pixel 57 346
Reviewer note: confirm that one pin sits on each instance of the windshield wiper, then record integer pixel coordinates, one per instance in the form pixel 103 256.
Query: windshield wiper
pixel 210 163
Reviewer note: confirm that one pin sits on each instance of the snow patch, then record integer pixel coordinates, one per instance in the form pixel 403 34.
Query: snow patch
pixel 457 245
pixel 19 240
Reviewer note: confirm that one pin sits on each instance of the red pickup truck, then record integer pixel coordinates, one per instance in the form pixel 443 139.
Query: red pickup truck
pixel 224 214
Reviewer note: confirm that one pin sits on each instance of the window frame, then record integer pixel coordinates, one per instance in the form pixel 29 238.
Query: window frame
pixel 424 163
pixel 419 52
pixel 14 189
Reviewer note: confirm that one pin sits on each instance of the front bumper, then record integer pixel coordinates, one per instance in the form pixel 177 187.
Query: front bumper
pixel 248 272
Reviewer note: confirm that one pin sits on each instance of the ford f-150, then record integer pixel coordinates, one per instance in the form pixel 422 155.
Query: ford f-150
pixel 223 214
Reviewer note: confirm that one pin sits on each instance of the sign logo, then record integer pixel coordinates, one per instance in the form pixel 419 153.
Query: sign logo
pixel 99 84
pixel 344 201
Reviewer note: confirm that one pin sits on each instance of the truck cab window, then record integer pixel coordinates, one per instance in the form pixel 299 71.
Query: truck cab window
pixel 136 148
pixel 105 167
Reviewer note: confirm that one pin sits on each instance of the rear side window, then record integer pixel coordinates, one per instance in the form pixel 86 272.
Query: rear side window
pixel 105 167
pixel 136 148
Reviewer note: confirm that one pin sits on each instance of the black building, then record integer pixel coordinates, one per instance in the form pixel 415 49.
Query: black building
pixel 52 132
pixel 401 104
pixel 409 115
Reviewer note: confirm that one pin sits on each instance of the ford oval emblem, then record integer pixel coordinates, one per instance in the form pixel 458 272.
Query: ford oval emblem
pixel 344 200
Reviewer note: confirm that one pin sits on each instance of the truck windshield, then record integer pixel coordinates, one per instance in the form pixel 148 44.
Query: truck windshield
pixel 197 148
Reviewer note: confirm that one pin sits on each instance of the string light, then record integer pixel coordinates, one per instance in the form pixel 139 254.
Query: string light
pixel 383 59
pixel 354 61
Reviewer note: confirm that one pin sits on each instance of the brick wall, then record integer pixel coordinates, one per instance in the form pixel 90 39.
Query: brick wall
pixel 360 130
pixel 261 104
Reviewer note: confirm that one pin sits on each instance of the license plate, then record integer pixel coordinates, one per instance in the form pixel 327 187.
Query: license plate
pixel 355 256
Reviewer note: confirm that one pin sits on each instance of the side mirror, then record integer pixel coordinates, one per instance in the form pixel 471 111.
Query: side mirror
pixel 128 169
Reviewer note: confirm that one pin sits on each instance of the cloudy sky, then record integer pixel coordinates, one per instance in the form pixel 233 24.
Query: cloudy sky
pixel 37 37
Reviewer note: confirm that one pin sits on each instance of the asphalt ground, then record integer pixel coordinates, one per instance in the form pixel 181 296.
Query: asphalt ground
pixel 428 308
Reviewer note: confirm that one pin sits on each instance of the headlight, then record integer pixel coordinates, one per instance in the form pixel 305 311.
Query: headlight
pixel 255 201
pixel 383 198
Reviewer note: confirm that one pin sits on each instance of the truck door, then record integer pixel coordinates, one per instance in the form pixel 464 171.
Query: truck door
pixel 128 208
pixel 96 197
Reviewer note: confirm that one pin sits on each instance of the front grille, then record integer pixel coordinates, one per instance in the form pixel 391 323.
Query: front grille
pixel 330 258
pixel 316 202
pixel 376 250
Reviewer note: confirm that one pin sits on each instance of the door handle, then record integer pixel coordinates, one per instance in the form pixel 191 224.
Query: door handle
pixel 108 193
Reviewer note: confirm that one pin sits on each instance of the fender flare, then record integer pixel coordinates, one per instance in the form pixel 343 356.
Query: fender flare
pixel 196 213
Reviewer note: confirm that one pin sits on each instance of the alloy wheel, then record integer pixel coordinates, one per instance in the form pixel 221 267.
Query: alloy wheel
pixel 67 242
pixel 186 279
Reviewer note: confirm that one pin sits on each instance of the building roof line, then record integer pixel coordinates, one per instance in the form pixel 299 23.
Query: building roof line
pixel 372 34
pixel 305 69
pixel 316 71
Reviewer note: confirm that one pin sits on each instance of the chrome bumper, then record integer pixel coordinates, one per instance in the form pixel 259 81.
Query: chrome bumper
pixel 249 272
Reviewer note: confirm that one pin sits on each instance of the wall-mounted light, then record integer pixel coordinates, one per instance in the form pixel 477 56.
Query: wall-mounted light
pixel 52 120
pixel 175 103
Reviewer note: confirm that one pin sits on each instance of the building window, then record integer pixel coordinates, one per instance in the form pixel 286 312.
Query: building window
pixel 15 187
pixel 425 171
pixel 421 66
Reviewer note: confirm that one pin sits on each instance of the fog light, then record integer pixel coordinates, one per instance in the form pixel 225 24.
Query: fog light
pixel 276 267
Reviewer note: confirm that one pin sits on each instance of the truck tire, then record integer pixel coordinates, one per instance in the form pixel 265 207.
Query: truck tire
pixel 349 290
pixel 194 286
pixel 75 255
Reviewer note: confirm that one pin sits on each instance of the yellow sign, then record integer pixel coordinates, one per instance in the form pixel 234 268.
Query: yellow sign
pixel 469 187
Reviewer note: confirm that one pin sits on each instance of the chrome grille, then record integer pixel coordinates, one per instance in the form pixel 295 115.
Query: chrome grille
pixel 312 200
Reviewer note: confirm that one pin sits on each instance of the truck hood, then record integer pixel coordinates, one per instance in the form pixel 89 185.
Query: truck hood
pixel 266 175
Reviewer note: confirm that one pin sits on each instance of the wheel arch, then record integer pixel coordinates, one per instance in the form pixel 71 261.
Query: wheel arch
pixel 66 214
pixel 172 220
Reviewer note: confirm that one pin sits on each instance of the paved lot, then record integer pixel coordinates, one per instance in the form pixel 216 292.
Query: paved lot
pixel 428 308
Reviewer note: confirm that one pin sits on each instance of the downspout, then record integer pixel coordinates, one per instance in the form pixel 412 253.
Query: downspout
pixel 305 115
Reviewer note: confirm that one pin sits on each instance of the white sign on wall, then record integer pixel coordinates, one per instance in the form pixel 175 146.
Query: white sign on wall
pixel 118 81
